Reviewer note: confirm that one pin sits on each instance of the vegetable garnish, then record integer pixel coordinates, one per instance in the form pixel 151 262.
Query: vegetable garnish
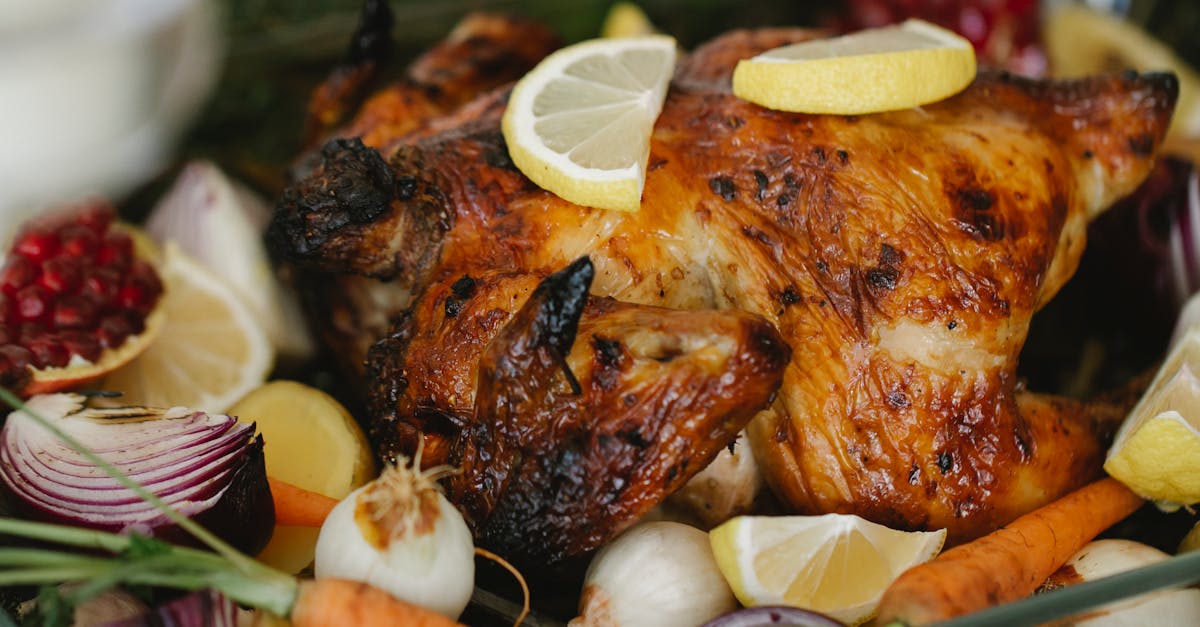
pixel 1009 563
pixel 240 577
pixel 659 573
pixel 208 466
pixel 399 533
pixel 138 560
pixel 1181 570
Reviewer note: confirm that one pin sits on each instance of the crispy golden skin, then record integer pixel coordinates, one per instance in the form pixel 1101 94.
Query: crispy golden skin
pixel 899 255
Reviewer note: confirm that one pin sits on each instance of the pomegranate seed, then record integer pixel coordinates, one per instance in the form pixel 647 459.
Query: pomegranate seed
pixel 113 331
pixel 33 303
pixel 97 217
pixel 115 251
pixel 79 241
pixel 74 312
pixel 30 331
pixel 17 273
pixel 101 285
pixel 18 357
pixel 37 245
pixel 82 343
pixel 48 352
pixel 61 275
pixel 4 335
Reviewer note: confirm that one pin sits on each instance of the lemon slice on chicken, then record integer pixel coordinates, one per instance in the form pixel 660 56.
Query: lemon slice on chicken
pixel 873 70
pixel 579 123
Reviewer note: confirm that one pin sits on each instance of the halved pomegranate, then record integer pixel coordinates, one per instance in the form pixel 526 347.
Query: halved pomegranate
pixel 79 296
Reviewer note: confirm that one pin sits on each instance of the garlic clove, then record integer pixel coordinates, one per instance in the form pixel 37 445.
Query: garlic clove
pixel 656 573
pixel 1101 558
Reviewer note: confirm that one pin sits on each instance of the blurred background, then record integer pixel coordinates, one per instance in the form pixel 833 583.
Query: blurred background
pixel 109 95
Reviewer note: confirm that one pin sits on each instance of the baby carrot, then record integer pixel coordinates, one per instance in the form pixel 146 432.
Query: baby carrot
pixel 1007 564
pixel 298 507
pixel 329 602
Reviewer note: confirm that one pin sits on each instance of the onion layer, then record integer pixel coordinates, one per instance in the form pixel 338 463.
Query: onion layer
pixel 207 467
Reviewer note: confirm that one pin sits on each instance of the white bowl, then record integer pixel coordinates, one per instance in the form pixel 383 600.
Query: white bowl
pixel 93 94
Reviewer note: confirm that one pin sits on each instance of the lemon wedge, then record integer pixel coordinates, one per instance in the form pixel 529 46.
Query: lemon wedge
pixel 873 70
pixel 579 123
pixel 626 19
pixel 209 353
pixel 837 564
pixel 1156 453
pixel 313 442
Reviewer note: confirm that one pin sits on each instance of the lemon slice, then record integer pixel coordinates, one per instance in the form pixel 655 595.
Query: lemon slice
pixel 1081 41
pixel 879 69
pixel 208 354
pixel 310 441
pixel 579 123
pixel 626 19
pixel 837 564
pixel 1157 450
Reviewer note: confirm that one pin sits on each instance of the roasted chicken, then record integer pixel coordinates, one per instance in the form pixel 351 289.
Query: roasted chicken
pixel 880 270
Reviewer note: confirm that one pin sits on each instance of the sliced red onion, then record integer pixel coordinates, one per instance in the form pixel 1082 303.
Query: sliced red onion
pixel 207 467
pixel 773 616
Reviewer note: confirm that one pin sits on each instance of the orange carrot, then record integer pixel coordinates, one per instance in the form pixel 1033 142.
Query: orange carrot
pixel 299 507
pixel 342 603
pixel 1007 564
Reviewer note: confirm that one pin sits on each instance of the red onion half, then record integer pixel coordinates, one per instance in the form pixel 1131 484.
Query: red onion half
pixel 207 467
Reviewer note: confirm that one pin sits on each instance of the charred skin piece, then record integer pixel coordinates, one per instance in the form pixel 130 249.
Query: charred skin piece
pixel 900 256
pixel 587 412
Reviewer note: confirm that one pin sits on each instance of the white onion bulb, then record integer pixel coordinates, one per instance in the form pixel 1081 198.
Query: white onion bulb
pixel 398 533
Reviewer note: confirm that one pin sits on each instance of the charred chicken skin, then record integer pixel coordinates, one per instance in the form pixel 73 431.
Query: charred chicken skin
pixel 861 286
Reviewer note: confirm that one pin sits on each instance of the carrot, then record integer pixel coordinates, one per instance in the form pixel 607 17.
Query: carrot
pixel 1007 564
pixel 330 602
pixel 299 507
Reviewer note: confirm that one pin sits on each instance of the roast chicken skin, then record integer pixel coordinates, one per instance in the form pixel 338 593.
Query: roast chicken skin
pixel 900 256
pixel 350 311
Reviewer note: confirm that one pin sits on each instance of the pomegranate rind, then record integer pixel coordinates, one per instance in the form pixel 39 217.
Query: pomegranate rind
pixel 48 380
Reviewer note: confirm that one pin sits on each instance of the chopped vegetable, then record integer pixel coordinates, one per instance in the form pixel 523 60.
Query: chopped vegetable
pixel 657 573
pixel 296 506
pixel 207 466
pixel 400 533
pixel 1009 563
pixel 204 607
pixel 110 559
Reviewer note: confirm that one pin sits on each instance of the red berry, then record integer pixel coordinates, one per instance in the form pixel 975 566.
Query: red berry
pixel 61 275
pixel 81 343
pixel 17 273
pixel 18 357
pixel 79 241
pixel 116 250
pixel 33 303
pixel 48 352
pixel 97 217
pixel 37 245
pixel 113 331
pixel 74 312
pixel 101 285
